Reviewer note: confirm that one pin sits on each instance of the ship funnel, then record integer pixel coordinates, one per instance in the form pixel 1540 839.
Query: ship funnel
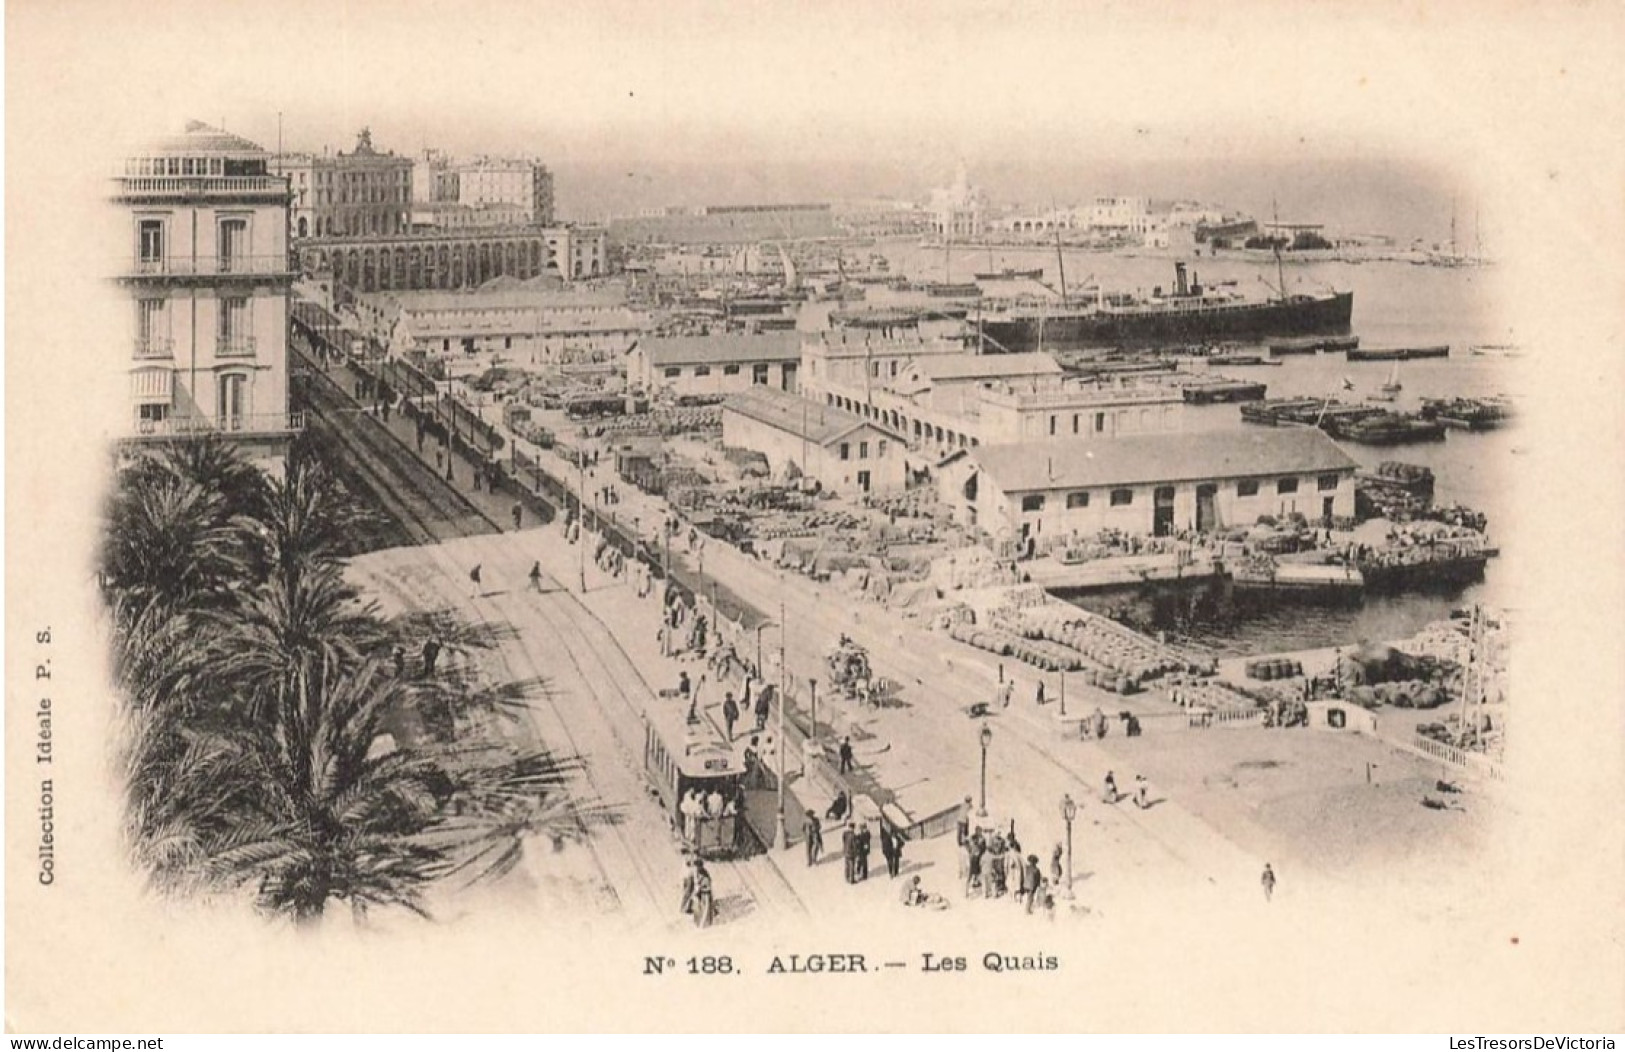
pixel 1179 279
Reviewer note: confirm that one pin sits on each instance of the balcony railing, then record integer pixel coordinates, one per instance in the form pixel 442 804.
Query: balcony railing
pixel 233 345
pixel 154 347
pixel 247 426
pixel 188 185
pixel 214 266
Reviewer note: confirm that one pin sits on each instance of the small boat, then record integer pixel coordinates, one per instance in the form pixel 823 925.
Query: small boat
pixel 1387 429
pixel 1397 354
pixel 1007 274
pixel 1232 358
pixel 1468 414
pixel 1339 343
pixel 1301 345
pixel 1390 390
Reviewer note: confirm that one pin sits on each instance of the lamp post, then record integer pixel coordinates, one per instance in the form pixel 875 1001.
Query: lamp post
pixel 781 836
pixel 1063 694
pixel 812 691
pixel 760 670
pixel 1069 811
pixel 581 518
pixel 986 740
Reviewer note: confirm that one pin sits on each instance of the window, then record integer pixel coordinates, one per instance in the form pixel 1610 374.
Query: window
pixel 673 372
pixel 233 244
pixel 1052 423
pixel 152 241
pixel 1079 499
pixel 152 412
pixel 233 336
pixel 730 370
pixel 881 450
pixel 846 451
pixel 1287 486
pixel 758 374
pixel 233 401
pixel 1100 423
pixel 1032 502
pixel 863 451
pixel 702 370
pixel 151 328
pixel 1247 488
pixel 507 343
pixel 1326 482
pixel 1122 497
pixel 1074 423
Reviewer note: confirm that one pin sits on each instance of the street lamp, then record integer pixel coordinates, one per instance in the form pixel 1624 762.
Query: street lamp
pixel 986 739
pixel 581 517
pixel 812 689
pixel 1069 811
pixel 1063 694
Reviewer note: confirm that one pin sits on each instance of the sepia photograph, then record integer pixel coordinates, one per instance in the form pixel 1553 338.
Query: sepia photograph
pixel 963 516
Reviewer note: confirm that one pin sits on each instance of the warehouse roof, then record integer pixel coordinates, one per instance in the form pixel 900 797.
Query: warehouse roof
pixel 798 416
pixel 1028 466
pixel 986 366
pixel 723 348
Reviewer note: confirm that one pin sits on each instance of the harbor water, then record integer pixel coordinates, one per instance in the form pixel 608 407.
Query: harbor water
pixel 1395 304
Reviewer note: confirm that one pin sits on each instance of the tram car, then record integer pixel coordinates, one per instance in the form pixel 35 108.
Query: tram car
pixel 699 780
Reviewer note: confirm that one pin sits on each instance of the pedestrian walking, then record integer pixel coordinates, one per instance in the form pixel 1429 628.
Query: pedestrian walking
pixel 863 849
pixel 536 576
pixel 1055 871
pixel 846 755
pixel 1031 879
pixel 1111 795
pixel 687 907
pixel 474 583
pixel 683 685
pixel 431 652
pixel 1268 881
pixel 1039 694
pixel 399 655
pixel 1007 692
pixel 849 852
pixel 975 850
pixel 730 713
pixel 762 706
pixel 815 837
pixel 894 860
pixel 1142 792
pixel 964 824
pixel 518 514
pixel 704 903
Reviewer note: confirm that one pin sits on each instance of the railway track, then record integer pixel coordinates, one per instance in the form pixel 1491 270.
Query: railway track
pixel 427 508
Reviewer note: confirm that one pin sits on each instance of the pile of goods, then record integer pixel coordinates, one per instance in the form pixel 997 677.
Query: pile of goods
pixel 1273 668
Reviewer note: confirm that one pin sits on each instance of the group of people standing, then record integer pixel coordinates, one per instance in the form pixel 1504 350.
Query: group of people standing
pixel 991 864
pixel 857 844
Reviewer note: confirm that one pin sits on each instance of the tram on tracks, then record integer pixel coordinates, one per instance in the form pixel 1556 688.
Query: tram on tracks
pixel 699 780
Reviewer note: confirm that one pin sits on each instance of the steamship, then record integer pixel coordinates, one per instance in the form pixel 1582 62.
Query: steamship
pixel 1189 313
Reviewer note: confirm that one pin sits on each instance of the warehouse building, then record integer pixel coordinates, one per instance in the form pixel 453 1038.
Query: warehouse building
pixel 716 364
pixel 1148 484
pixel 844 452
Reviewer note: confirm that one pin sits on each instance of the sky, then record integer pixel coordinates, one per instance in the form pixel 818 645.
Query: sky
pixel 1346 114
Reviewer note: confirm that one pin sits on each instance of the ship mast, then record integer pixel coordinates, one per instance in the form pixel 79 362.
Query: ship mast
pixel 1280 269
pixel 1060 260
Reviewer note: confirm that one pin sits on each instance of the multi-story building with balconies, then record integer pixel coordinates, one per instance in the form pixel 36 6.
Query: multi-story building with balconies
pixel 362 193
pixel 209 278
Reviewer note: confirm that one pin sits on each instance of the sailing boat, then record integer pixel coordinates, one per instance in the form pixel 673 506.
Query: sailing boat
pixel 1390 390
